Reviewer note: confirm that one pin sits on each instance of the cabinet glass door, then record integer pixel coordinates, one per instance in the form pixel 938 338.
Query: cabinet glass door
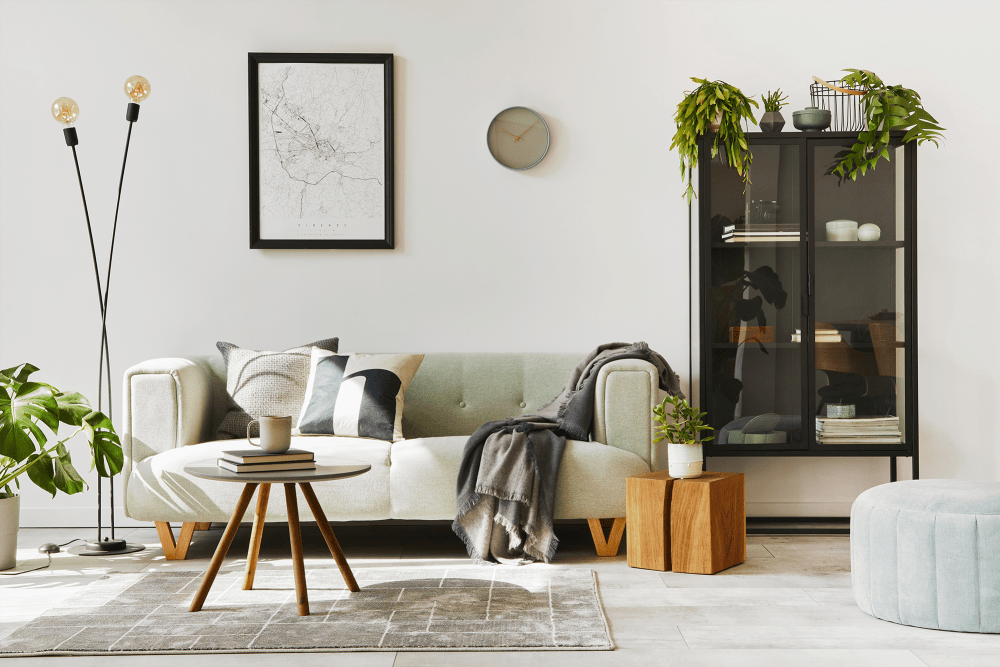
pixel 859 275
pixel 754 302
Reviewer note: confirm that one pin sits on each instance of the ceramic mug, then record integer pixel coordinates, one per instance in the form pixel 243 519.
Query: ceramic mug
pixel 275 434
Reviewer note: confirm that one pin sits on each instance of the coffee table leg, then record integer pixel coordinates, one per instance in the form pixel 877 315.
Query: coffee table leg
pixel 223 548
pixel 331 539
pixel 301 596
pixel 256 535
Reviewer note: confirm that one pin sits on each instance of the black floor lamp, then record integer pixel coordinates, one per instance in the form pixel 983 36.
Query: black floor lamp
pixel 66 111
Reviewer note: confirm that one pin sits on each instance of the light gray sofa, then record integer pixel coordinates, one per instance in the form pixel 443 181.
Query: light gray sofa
pixel 173 406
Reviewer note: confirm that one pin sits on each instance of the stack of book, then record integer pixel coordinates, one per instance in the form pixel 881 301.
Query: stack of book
pixel 858 430
pixel 256 460
pixel 824 334
pixel 760 233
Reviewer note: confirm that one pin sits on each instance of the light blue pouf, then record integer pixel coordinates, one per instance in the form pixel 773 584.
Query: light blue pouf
pixel 927 553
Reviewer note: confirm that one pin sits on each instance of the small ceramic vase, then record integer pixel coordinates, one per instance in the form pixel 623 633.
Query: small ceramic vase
pixel 771 121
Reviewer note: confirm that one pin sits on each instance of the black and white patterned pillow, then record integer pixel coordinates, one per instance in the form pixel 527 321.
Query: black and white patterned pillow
pixel 357 395
pixel 264 383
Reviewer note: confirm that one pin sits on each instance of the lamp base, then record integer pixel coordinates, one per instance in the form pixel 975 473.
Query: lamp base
pixel 106 548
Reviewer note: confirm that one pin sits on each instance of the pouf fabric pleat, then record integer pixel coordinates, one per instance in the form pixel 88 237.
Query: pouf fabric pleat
pixel 926 553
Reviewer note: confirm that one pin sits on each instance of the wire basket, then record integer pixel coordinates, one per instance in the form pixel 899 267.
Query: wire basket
pixel 843 102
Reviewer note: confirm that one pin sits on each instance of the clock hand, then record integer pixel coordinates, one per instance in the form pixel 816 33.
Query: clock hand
pixel 526 131
pixel 506 132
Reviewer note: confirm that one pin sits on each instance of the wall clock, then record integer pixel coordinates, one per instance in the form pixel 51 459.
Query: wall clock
pixel 518 138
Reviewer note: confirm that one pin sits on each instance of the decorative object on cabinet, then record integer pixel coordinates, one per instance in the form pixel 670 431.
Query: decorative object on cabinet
pixel 321 150
pixel 695 114
pixel 26 406
pixel 683 436
pixel 518 138
pixel 886 109
pixel 840 411
pixel 847 332
pixel 811 119
pixel 842 230
pixel 66 111
pixel 869 232
pixel 772 120
pixel 843 100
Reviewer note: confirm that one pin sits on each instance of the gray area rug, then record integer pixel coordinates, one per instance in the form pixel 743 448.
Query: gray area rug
pixel 397 609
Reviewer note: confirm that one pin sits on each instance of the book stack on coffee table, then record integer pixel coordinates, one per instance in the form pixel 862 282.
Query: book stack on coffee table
pixel 255 460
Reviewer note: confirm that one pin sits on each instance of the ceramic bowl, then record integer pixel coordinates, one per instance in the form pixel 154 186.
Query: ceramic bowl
pixel 869 232
pixel 811 118
pixel 842 230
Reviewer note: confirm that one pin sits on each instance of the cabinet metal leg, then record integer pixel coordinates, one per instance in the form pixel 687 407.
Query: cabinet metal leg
pixel 915 463
pixel 892 468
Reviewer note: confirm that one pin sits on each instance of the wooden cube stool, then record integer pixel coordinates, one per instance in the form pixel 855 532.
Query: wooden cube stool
pixel 686 525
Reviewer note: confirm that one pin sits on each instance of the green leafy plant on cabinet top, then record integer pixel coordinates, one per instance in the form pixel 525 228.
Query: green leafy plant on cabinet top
pixel 685 425
pixel 25 407
pixel 886 108
pixel 774 101
pixel 700 108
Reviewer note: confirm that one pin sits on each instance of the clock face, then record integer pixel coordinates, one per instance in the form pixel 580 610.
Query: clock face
pixel 518 138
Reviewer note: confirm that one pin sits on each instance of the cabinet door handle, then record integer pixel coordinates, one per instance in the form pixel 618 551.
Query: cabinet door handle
pixel 809 284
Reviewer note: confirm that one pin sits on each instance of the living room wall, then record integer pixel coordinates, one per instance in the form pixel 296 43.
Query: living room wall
pixel 588 247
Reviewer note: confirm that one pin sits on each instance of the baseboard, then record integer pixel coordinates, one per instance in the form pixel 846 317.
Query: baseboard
pixel 75 517
pixel 804 510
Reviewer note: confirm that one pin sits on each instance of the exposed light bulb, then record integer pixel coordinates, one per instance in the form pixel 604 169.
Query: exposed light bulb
pixel 137 88
pixel 65 110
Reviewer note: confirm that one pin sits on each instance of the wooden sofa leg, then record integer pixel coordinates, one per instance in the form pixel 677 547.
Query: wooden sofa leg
pixel 203 525
pixel 175 550
pixel 607 547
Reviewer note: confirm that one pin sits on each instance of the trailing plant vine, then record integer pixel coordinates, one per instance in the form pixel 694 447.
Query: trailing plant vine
pixel 886 108
pixel 697 111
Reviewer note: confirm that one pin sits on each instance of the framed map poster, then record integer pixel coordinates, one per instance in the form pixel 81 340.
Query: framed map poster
pixel 321 150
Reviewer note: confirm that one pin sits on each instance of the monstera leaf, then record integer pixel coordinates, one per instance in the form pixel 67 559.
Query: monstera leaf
pixel 22 406
pixel 108 457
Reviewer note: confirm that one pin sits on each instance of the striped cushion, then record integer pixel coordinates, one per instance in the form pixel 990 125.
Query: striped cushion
pixel 357 395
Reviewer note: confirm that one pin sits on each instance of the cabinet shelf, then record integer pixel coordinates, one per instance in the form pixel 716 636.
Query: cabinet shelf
pixel 860 244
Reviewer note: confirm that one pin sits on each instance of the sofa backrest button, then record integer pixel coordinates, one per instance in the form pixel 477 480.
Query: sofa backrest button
pixel 461 404
pixel 523 404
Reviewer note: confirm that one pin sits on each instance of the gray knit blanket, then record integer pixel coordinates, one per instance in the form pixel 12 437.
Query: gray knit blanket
pixel 507 480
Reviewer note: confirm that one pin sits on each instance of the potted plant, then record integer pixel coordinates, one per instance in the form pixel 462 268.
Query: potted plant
pixel 714 106
pixel 772 120
pixel 885 108
pixel 682 430
pixel 26 407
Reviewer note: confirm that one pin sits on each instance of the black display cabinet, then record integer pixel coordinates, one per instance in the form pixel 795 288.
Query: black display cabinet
pixel 794 321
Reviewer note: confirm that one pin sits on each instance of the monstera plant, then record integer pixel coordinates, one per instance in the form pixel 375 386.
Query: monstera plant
pixel 29 409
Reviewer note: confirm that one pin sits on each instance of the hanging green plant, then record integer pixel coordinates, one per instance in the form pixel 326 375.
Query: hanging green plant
pixel 710 102
pixel 886 108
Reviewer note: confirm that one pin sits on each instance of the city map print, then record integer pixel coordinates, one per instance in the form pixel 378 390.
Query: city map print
pixel 322 151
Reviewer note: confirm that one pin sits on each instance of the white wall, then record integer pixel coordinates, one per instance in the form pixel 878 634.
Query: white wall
pixel 587 247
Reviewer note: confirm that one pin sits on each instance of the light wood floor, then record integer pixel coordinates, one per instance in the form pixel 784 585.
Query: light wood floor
pixel 789 604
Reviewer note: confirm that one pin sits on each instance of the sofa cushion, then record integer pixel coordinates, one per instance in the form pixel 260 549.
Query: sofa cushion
pixel 358 395
pixel 264 383
pixel 158 489
pixel 591 481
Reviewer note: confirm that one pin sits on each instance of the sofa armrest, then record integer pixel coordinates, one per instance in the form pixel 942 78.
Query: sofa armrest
pixel 627 392
pixel 168 403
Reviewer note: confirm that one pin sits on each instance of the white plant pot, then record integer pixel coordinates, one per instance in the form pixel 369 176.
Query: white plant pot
pixel 10 509
pixel 684 461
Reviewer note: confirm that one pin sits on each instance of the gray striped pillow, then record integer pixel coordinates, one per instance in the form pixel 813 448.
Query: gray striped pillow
pixel 264 383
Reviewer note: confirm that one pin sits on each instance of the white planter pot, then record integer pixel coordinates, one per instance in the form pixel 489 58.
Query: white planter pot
pixel 684 461
pixel 10 509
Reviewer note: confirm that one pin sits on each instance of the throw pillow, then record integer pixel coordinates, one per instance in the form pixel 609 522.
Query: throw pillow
pixel 359 395
pixel 264 383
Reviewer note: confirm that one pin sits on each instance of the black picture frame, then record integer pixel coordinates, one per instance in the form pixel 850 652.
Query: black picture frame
pixel 254 60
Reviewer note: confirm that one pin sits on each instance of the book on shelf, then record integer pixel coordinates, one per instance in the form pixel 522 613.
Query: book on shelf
pixel 266 467
pixel 842 440
pixel 260 456
pixel 820 338
pixel 760 239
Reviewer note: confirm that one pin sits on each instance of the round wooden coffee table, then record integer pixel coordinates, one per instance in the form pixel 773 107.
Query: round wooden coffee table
pixel 322 473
